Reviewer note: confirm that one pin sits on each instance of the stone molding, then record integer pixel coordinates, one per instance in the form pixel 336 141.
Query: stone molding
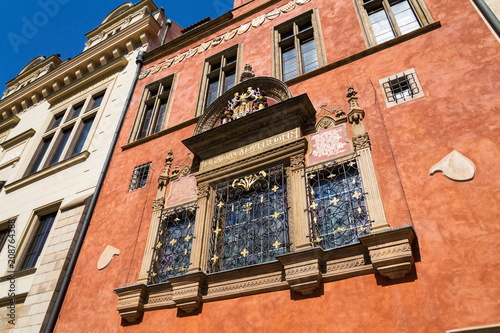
pixel 388 252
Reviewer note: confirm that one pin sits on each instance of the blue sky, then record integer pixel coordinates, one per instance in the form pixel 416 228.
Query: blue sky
pixel 29 28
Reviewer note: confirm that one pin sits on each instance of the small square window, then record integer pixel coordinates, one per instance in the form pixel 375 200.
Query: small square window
pixel 400 88
pixel 140 176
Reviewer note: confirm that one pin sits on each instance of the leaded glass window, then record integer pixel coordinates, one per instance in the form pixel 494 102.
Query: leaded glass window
pixel 174 241
pixel 337 207
pixel 250 222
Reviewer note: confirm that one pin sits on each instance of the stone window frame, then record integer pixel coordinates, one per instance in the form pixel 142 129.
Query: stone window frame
pixel 171 82
pixel 54 134
pixel 418 6
pixel 28 234
pixel 318 39
pixel 409 75
pixel 235 50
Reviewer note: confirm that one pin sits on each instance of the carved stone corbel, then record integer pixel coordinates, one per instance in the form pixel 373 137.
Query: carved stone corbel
pixel 391 252
pixel 131 301
pixel 361 141
pixel 356 113
pixel 303 269
pixel 187 290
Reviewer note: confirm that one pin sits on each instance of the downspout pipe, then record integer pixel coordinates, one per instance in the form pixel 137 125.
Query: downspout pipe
pixel 54 314
pixel 168 24
pixel 488 14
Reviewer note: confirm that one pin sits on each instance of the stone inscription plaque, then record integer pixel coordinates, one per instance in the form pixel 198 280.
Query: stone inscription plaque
pixel 329 143
pixel 251 149
pixel 182 191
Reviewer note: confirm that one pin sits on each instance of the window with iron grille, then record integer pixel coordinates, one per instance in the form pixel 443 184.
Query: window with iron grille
pixel 220 75
pixel 66 134
pixel 297 45
pixel 387 19
pixel 173 245
pixel 250 221
pixel 401 87
pixel 35 247
pixel 153 114
pixel 337 209
pixel 140 176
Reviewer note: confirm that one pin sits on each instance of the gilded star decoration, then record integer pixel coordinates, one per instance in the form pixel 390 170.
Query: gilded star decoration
pixel 244 253
pixel 216 231
pixel 356 195
pixel 187 238
pixel 276 244
pixel 275 188
pixel 159 245
pixel 220 204
pixel 314 205
pixel 173 241
pixel 215 258
pixel 247 207
pixel 276 215
pixel 335 201
pixel 318 239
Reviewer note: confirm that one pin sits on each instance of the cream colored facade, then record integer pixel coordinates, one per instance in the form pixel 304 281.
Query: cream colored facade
pixel 45 89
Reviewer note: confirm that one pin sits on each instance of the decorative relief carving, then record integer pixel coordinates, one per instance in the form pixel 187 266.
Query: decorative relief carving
pixel 455 166
pixel 297 161
pixel 241 286
pixel 158 204
pixel 247 73
pixel 131 302
pixel 203 190
pixel 225 36
pixel 376 254
pixel 356 113
pixel 361 141
pixel 351 263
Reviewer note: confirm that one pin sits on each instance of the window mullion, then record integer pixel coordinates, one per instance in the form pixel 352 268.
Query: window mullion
pixel 391 17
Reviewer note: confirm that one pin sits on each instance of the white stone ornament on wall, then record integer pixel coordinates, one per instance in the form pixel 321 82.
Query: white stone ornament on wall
pixel 106 257
pixel 455 166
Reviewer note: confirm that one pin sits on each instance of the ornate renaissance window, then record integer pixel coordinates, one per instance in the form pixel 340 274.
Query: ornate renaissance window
pixel 386 19
pixel 250 223
pixel 174 241
pixel 66 134
pixel 297 46
pixel 219 75
pixel 153 114
pixel 337 207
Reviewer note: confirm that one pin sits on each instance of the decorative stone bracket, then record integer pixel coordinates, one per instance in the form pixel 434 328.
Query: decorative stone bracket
pixel 187 290
pixel 303 269
pixel 390 251
pixel 131 301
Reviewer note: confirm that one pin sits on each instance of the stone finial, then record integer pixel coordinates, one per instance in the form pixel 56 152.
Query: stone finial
pixel 356 113
pixel 247 73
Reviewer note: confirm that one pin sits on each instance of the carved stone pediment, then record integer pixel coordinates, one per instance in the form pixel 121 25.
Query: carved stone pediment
pixel 275 90
pixel 296 112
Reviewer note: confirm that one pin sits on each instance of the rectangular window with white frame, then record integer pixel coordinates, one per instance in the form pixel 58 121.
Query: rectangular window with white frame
pixel 67 134
pixel 383 20
pixel 154 109
pixel 298 46
pixel 220 73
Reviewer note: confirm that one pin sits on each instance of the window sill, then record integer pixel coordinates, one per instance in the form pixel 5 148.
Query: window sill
pixel 369 51
pixel 19 274
pixel 47 171
pixel 387 252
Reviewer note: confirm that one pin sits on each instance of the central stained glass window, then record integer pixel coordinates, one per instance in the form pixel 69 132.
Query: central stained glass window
pixel 250 223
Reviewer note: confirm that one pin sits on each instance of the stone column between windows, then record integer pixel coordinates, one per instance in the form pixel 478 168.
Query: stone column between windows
pixel 202 225
pixel 150 245
pixel 370 186
pixel 296 195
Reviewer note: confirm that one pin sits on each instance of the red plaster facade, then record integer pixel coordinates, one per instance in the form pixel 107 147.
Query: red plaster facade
pixel 454 282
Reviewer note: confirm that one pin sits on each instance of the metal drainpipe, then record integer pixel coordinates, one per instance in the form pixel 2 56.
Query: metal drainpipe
pixel 79 242
pixel 168 24
pixel 489 15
